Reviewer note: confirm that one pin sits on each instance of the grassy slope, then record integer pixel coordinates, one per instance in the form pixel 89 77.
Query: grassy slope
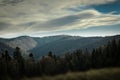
pixel 101 74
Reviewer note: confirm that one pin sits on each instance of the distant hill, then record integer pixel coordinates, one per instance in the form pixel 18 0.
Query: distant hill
pixel 57 44
pixel 24 42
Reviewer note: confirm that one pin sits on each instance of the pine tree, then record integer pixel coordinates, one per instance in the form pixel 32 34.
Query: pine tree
pixel 30 65
pixel 19 60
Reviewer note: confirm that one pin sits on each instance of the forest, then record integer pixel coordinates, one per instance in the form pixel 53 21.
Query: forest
pixel 16 66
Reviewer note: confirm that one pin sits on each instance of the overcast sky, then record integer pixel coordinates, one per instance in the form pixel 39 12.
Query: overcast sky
pixel 58 17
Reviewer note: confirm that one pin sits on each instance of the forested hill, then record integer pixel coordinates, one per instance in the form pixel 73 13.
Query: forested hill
pixel 15 67
pixel 57 44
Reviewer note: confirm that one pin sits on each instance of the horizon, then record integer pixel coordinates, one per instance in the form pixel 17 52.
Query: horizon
pixel 55 36
pixel 39 18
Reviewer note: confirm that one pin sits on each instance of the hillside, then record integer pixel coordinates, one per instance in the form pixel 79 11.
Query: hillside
pixel 57 44
pixel 24 42
pixel 62 44
pixel 16 67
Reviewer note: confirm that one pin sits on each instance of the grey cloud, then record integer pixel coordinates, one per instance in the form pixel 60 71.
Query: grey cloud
pixel 68 19
pixel 61 22
pixel 4 25
pixel 81 20
pixel 12 2
pixel 52 24
pixel 47 15
pixel 28 24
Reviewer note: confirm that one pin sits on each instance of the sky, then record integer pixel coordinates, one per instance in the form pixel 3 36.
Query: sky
pixel 40 18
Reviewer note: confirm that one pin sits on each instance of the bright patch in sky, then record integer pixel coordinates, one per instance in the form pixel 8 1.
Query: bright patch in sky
pixel 56 17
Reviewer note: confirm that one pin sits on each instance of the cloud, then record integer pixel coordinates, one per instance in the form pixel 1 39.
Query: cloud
pixel 84 19
pixel 4 25
pixel 14 2
pixel 29 16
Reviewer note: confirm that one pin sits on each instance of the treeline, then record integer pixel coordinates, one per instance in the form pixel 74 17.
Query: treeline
pixel 16 67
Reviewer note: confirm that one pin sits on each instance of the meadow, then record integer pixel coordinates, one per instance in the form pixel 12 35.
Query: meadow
pixel 93 74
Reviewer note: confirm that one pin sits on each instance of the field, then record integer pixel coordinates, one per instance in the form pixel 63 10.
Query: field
pixel 98 74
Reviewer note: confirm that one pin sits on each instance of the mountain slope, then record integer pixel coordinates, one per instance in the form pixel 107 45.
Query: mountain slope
pixel 70 43
pixel 57 44
pixel 24 42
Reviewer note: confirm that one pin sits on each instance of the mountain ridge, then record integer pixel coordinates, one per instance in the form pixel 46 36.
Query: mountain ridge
pixel 59 44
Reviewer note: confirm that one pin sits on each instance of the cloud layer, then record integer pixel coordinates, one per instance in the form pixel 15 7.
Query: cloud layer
pixel 29 16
